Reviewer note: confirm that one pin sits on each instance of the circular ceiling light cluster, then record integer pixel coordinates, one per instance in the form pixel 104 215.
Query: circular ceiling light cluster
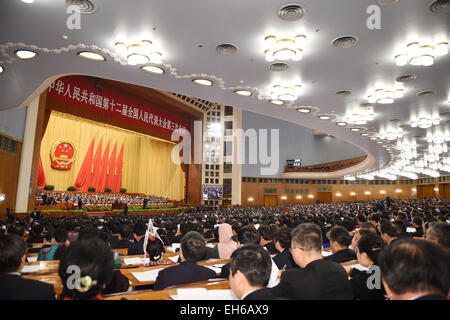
pixel 425 121
pixel 138 53
pixel 384 96
pixel 360 116
pixel 285 93
pixel 391 134
pixel 421 54
pixel 284 48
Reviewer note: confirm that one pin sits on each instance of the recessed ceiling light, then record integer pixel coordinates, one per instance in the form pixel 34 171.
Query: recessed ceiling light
pixel 277 102
pixel 344 93
pixel 153 69
pixel 25 54
pixel 304 110
pixel 91 56
pixel 1 69
pixel 355 129
pixel 65 37
pixel 324 117
pixel 203 82
pixel 379 142
pixel 245 93
pixel 28 1
pixel 364 134
pixel 373 138
pixel 341 124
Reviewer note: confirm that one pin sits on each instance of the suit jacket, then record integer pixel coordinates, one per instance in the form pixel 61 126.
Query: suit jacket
pixel 431 297
pixel 285 258
pixel 358 281
pixel 319 280
pixel 418 233
pixel 122 244
pixel 185 272
pixel 342 256
pixel 136 247
pixel 261 294
pixel 271 248
pixel 14 287
pixel 113 240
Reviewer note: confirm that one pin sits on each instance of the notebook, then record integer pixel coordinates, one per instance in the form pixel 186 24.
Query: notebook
pixel 136 261
pixel 30 268
pixel 147 276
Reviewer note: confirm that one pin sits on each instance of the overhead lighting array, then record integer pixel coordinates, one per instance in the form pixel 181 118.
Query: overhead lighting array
pixel 138 53
pixel 385 96
pixel 391 134
pixel 285 93
pixel 284 48
pixel 421 54
pixel 359 116
pixel 425 121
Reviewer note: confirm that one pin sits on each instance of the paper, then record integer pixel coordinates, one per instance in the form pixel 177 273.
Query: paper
pixel 212 260
pixel 176 245
pixel 410 230
pixel 326 253
pixel 257 226
pixel 203 294
pixel 174 259
pixel 210 245
pixel 136 261
pixel 30 268
pixel 170 249
pixel 359 267
pixel 214 268
pixel 147 276
pixel 32 259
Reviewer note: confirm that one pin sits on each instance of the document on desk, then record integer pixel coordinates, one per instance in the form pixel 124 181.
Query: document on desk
pixel 210 245
pixel 410 230
pixel 174 258
pixel 32 259
pixel 203 294
pixel 30 268
pixel 217 268
pixel 136 261
pixel 359 267
pixel 147 276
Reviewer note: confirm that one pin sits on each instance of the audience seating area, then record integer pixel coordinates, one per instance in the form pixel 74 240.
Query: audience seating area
pixel 326 167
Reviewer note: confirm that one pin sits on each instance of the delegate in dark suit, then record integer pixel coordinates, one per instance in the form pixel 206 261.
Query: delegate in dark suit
pixel 122 244
pixel 360 290
pixel 319 280
pixel 14 287
pixel 343 255
pixel 261 294
pixel 185 272
pixel 136 248
pixel 270 246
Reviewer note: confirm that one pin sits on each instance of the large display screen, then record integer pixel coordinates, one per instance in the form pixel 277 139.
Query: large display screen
pixel 212 192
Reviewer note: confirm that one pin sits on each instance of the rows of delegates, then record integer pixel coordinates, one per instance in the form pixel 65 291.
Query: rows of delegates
pixel 273 252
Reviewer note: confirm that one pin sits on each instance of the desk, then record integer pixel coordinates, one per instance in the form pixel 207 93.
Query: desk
pixel 45 267
pixel 214 284
pixel 136 283
pixel 53 279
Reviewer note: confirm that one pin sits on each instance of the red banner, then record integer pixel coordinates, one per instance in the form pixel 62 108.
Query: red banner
pixel 80 92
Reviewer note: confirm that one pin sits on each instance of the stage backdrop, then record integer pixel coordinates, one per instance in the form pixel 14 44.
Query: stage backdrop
pixel 147 166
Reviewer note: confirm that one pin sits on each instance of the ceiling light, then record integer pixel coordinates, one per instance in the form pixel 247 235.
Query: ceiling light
pixel 284 49
pixel 283 197
pixel 153 69
pixel 285 93
pixel 28 1
pixel 391 134
pixel 250 199
pixel 341 124
pixel 25 54
pixel 425 121
pixel 91 55
pixel 352 193
pixel 383 192
pixel 277 102
pixel 304 110
pixel 298 197
pixel 203 82
pixel 324 117
pixel 419 54
pixel 338 194
pixel 2 197
pixel 244 93
pixel 360 116
pixel 1 69
pixel 355 129
pixel 138 53
pixel 385 96
pixel 367 192
pixel 364 134
pixel 310 196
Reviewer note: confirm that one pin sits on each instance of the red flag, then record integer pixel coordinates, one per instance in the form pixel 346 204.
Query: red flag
pixel 118 177
pixel 111 169
pixel 95 176
pixel 41 183
pixel 103 170
pixel 84 175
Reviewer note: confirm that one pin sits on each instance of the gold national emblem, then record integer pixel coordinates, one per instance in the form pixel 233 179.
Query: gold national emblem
pixel 62 154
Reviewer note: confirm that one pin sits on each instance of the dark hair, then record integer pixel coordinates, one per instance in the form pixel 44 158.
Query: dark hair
pixel 94 259
pixel 12 249
pixel 441 231
pixel 388 228
pixel 400 226
pixel 88 233
pixel 372 244
pixel 417 220
pixel 375 217
pixel 266 232
pixel 113 227
pixel 340 235
pixel 163 235
pixel 254 262
pixel 368 226
pixel 248 235
pixel 17 229
pixel 154 249
pixel 283 236
pixel 308 235
pixel 411 265
pixel 61 235
pixel 125 232
pixel 139 229
pixel 193 246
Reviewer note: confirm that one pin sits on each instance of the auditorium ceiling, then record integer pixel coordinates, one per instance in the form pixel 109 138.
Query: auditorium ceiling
pixel 347 50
